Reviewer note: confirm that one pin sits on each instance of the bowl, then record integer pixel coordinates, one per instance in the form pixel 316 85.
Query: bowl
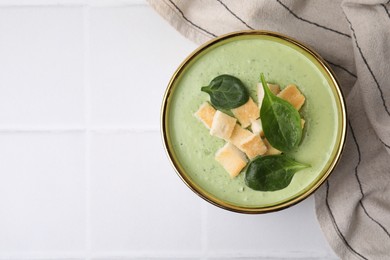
pixel 246 54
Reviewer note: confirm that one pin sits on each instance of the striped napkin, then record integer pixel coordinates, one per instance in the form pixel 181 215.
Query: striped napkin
pixel 353 206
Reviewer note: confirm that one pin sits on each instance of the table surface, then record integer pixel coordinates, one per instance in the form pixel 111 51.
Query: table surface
pixel 83 172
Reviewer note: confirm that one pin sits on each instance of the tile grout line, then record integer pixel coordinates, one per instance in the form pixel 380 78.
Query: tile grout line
pixel 87 86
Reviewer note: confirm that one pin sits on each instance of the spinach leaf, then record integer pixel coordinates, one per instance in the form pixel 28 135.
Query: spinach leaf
pixel 227 92
pixel 271 173
pixel 281 121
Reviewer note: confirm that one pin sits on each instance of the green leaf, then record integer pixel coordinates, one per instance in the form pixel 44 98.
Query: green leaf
pixel 227 92
pixel 271 173
pixel 281 121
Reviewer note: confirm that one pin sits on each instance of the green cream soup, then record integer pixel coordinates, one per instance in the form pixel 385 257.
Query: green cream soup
pixel 193 148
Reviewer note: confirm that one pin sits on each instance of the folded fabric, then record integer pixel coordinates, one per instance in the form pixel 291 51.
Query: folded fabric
pixel 353 206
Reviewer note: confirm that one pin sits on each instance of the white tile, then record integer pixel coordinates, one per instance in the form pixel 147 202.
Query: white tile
pixel 292 256
pixel 134 52
pixel 21 3
pixel 291 232
pixel 146 258
pixel 115 2
pixel 42 192
pixel 41 64
pixel 138 203
pixel 71 2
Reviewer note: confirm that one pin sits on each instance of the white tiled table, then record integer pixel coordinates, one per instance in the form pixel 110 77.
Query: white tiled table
pixel 83 174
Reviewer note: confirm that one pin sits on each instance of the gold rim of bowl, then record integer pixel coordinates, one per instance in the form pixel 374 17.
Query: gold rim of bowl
pixel 342 114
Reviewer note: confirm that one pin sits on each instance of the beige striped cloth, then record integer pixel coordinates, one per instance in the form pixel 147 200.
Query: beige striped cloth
pixel 353 206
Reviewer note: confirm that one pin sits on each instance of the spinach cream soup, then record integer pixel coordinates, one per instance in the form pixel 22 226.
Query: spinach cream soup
pixel 245 57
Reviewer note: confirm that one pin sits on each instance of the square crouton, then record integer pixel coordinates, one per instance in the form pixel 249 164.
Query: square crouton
pixel 253 146
pixel 292 95
pixel 257 127
pixel 270 150
pixel 246 112
pixel 205 114
pixel 232 159
pixel 275 89
pixel 222 125
pixel 260 93
pixel 239 134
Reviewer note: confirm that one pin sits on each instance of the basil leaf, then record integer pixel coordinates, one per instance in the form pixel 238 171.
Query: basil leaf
pixel 227 92
pixel 281 121
pixel 271 173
